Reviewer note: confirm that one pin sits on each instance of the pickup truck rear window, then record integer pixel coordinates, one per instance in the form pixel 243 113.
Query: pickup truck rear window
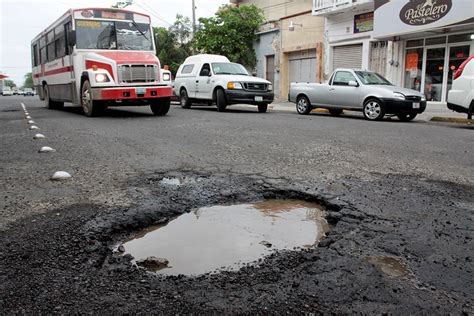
pixel 187 69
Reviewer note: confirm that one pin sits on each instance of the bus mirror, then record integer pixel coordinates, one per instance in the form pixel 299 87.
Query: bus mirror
pixel 71 38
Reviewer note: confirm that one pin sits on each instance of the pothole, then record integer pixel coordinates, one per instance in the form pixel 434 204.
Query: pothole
pixel 227 237
pixel 389 266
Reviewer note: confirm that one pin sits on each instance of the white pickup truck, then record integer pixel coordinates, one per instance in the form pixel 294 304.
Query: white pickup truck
pixel 213 78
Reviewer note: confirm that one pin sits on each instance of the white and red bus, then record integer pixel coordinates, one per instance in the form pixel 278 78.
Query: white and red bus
pixel 96 58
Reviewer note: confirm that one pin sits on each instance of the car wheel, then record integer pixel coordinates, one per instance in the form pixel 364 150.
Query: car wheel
pixel 184 99
pixel 335 112
pixel 373 110
pixel 406 117
pixel 262 108
pixel 220 100
pixel 50 104
pixel 160 107
pixel 303 106
pixel 89 106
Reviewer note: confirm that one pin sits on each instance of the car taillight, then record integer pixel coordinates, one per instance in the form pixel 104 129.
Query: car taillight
pixel 461 68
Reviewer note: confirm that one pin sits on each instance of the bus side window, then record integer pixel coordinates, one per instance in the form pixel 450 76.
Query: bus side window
pixel 67 30
pixel 35 55
pixel 51 51
pixel 43 52
pixel 60 41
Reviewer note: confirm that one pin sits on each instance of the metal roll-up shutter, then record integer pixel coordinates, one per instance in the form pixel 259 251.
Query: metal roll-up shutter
pixel 348 56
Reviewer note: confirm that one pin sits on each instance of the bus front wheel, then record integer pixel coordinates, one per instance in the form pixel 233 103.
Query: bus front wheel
pixel 89 106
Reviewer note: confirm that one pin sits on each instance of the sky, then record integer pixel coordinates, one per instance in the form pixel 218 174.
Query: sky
pixel 22 20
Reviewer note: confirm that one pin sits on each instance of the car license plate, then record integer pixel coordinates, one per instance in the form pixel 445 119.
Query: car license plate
pixel 140 91
pixel 258 99
pixel 416 105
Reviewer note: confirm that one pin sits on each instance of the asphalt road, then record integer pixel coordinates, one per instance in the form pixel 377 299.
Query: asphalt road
pixel 400 190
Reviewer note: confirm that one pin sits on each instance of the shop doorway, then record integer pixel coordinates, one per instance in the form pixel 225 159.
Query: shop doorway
pixel 430 64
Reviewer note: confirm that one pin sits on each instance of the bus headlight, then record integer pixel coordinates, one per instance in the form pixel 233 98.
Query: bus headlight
pixel 101 78
pixel 166 77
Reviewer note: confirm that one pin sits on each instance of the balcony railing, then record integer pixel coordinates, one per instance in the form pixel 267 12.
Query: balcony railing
pixel 321 7
pixel 328 4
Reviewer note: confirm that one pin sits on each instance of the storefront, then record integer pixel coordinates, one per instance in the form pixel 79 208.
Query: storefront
pixel 434 37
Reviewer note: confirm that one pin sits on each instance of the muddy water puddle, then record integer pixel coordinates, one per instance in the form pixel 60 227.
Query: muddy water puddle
pixel 389 266
pixel 222 237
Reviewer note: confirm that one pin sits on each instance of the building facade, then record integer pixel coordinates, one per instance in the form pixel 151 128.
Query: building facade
pixel 418 44
pixel 290 44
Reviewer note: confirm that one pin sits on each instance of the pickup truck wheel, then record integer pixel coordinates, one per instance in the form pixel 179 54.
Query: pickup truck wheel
pixel 50 104
pixel 373 110
pixel 160 107
pixel 303 106
pixel 90 107
pixel 184 99
pixel 262 108
pixel 220 100
pixel 335 112
pixel 406 117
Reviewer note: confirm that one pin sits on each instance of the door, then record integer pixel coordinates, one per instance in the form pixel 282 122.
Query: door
pixel 303 66
pixel 270 69
pixel 434 73
pixel 203 83
pixel 340 93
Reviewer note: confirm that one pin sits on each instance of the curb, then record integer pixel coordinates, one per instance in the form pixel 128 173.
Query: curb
pixel 452 120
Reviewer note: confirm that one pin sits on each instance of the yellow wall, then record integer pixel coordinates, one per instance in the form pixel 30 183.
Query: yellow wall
pixel 276 9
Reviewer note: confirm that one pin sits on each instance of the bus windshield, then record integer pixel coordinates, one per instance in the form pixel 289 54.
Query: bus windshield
pixel 113 35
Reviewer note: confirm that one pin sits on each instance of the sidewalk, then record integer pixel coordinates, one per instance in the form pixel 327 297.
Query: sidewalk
pixel 433 112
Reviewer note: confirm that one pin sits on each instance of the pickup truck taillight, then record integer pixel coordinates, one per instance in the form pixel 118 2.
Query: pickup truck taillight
pixel 461 68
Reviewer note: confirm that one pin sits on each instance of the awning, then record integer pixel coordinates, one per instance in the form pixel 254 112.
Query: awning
pixel 3 76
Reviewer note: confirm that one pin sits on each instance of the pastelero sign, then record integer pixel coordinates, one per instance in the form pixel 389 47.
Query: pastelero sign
pixel 420 12
pixel 399 17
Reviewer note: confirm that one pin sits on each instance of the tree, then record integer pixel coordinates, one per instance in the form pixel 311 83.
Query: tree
pixel 231 32
pixel 28 81
pixel 9 83
pixel 122 4
pixel 173 44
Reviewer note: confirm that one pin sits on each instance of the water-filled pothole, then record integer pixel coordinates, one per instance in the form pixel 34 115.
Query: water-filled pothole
pixel 227 237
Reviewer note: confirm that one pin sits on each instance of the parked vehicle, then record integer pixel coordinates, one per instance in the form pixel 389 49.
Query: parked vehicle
pixel 358 90
pixel 28 92
pixel 213 78
pixel 7 91
pixel 461 95
pixel 97 58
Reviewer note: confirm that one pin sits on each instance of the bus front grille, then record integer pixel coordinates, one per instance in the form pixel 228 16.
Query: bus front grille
pixel 138 73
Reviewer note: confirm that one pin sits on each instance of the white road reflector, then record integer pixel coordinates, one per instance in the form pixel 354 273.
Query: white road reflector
pixel 46 149
pixel 60 175
pixel 38 136
pixel 28 117
pixel 31 122
pixel 34 127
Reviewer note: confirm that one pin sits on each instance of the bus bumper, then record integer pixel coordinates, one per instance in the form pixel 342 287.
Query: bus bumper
pixel 130 93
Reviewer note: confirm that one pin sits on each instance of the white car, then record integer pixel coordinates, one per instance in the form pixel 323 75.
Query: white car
pixel 461 96
pixel 7 91
pixel 213 78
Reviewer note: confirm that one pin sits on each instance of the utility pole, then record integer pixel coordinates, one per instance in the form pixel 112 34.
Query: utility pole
pixel 194 16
